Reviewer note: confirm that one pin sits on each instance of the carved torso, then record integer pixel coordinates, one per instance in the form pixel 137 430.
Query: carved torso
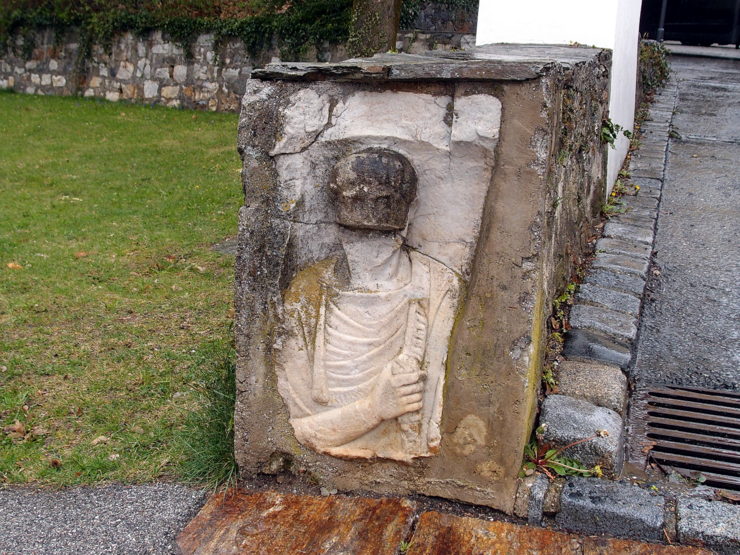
pixel 337 342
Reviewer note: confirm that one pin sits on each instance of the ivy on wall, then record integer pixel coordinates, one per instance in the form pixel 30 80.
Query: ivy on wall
pixel 410 9
pixel 295 25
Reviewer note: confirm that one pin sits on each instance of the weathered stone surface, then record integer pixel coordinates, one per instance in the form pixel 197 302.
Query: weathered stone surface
pixel 236 521
pixel 619 325
pixel 712 524
pixel 621 264
pixel 601 507
pixel 530 497
pixel 649 187
pixel 584 345
pixel 637 220
pixel 630 232
pixel 439 533
pixel 625 283
pixel 643 202
pixel 297 242
pixel 608 298
pixel 601 384
pixel 567 420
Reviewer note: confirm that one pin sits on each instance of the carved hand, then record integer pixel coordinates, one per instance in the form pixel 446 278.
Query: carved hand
pixel 397 393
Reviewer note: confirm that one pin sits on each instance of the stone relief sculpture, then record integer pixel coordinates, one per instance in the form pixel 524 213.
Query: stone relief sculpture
pixel 361 363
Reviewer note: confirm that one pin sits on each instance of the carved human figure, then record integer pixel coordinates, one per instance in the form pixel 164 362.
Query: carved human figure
pixel 362 361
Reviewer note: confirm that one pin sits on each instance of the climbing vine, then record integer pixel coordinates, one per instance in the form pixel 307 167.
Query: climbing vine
pixel 294 26
pixel 410 9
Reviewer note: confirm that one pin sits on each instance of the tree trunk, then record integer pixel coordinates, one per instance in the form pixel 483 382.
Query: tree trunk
pixel 374 26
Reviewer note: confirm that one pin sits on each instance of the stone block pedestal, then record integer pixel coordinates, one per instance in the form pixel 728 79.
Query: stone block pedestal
pixel 408 220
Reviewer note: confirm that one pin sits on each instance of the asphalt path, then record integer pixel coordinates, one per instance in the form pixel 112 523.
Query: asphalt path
pixel 690 326
pixel 92 520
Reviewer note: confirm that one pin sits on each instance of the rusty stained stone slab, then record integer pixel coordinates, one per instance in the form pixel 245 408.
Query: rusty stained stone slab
pixel 239 522
pixel 438 534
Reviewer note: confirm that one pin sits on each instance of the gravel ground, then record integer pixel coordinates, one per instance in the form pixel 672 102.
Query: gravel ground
pixel 109 519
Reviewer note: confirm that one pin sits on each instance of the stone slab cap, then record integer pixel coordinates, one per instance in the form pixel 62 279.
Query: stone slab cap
pixel 601 384
pixel 501 62
pixel 593 506
pixel 236 521
pixel 567 420
pixel 443 533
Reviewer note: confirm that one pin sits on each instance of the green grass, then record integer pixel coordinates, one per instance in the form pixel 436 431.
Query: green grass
pixel 113 309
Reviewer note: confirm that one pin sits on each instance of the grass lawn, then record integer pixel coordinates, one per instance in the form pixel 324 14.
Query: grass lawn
pixel 114 312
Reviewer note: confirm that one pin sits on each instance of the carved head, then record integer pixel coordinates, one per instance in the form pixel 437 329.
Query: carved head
pixel 374 189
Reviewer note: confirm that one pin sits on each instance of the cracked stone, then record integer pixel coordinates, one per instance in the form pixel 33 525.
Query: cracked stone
pixel 439 533
pixel 237 522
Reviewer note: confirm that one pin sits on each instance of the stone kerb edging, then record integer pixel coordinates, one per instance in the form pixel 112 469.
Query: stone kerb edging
pixel 592 391
pixel 593 386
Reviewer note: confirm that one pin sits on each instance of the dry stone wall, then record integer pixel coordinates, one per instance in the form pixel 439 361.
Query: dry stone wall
pixel 155 70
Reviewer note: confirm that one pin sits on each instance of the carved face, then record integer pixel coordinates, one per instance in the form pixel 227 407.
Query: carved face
pixel 374 189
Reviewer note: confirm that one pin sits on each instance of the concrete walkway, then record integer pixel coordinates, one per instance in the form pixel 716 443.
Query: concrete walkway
pixel 690 326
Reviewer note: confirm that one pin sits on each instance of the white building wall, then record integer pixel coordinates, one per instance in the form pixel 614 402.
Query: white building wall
pixel 612 24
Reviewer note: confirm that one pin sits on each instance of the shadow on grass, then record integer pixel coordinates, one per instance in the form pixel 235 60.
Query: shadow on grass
pixel 207 438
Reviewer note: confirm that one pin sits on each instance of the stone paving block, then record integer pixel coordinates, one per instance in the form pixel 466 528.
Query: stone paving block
pixel 647 185
pixel 236 521
pixel 587 346
pixel 601 507
pixel 653 171
pixel 625 283
pixel 711 524
pixel 621 264
pixel 567 420
pixel 640 234
pixel 647 213
pixel 608 298
pixel 438 533
pixel 611 245
pixel 615 324
pixel 603 385
pixel 642 202
pixel 637 220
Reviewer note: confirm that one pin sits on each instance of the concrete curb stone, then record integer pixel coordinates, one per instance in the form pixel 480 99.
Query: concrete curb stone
pixel 584 345
pixel 608 298
pixel 621 263
pixel 709 523
pixel 569 420
pixel 603 385
pixel 639 234
pixel 623 283
pixel 623 246
pixel 615 324
pixel 611 508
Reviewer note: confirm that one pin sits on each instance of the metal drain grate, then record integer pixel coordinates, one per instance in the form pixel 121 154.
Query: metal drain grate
pixel 696 430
